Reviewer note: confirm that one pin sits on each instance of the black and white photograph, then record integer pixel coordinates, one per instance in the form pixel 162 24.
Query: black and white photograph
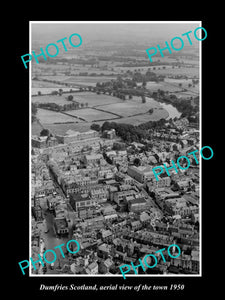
pixel 119 156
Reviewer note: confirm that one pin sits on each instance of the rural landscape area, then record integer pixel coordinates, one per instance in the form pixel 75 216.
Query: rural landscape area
pixel 102 117
pixel 117 83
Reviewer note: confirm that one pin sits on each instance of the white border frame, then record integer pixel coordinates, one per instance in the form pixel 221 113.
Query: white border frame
pixel 30 134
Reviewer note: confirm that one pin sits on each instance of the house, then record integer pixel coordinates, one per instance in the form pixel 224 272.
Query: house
pixel 119 197
pixel 92 158
pixel 136 225
pixel 141 173
pixel 99 193
pixel 144 218
pixel 137 205
pixel 184 143
pixel 79 201
pixel 92 268
pixel 37 213
pixel 38 141
pixel 103 250
pixel 60 226
pixel 109 134
pixel 106 235
pixel 111 217
pixel 105 266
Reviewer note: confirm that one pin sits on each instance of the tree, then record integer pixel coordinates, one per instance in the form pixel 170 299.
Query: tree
pixel 106 126
pixel 144 83
pixel 45 132
pixel 95 127
pixel 143 99
pixel 137 162
pixel 70 98
pixel 82 105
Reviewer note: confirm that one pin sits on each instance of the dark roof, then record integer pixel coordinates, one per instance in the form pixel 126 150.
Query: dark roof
pixel 138 200
pixel 61 222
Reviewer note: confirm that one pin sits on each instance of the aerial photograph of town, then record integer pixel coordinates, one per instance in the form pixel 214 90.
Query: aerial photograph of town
pixel 103 116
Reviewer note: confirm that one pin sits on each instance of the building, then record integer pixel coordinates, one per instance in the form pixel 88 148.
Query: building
pixel 81 201
pixel 141 174
pixel 60 226
pixel 121 195
pixel 137 205
pixel 105 266
pixel 92 158
pixel 38 141
pixel 92 268
pixel 109 134
pixel 37 212
pixel 43 141
pixel 76 136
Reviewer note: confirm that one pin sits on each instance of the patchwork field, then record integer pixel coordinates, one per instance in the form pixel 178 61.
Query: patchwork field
pixel 172 85
pixel 60 100
pixel 158 113
pixel 51 117
pixel 186 71
pixel 93 99
pixel 130 107
pixel 49 90
pixel 79 80
pixel 91 115
pixel 82 97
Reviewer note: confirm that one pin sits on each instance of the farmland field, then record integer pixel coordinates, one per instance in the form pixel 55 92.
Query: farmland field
pixel 44 84
pixel 79 80
pixel 130 107
pixel 60 100
pixel 63 128
pixel 93 99
pixel 190 72
pixel 82 97
pixel 51 117
pixel 154 86
pixel 91 115
pixel 172 86
pixel 158 113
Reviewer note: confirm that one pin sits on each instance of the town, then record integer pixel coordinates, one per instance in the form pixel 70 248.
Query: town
pixel 102 119
pixel 84 187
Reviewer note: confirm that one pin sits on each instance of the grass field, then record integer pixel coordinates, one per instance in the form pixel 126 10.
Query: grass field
pixel 84 126
pixel 186 71
pixel 137 120
pixel 79 80
pixel 91 115
pixel 93 99
pixel 82 97
pixel 172 86
pixel 60 100
pixel 130 107
pixel 51 117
